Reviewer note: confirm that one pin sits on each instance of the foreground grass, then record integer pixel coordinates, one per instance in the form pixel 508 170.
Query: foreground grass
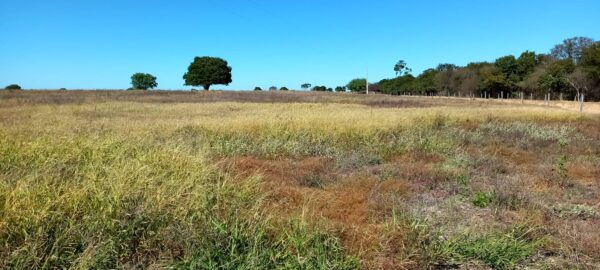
pixel 116 203
pixel 300 186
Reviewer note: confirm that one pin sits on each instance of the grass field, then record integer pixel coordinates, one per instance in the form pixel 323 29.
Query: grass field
pixel 222 180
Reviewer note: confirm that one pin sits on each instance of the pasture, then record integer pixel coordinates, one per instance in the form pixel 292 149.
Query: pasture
pixel 272 180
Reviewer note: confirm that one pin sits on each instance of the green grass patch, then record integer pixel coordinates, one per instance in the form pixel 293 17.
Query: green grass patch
pixel 496 250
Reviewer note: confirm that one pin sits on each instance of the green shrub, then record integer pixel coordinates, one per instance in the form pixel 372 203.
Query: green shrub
pixel 483 199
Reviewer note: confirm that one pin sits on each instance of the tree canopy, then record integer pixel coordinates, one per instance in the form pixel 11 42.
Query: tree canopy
pixel 206 71
pixel 13 87
pixel 571 67
pixel 340 89
pixel 401 68
pixel 143 81
pixel 305 85
pixel 357 85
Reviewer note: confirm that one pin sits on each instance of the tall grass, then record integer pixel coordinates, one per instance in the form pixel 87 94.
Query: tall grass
pixel 135 185
pixel 124 202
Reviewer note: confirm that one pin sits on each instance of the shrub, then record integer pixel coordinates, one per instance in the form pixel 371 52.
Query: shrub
pixel 483 199
pixel 13 87
pixel 273 88
pixel 284 89
pixel 257 89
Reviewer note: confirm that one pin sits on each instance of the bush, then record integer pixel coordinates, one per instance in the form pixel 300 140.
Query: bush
pixel 483 199
pixel 273 88
pixel 13 87
pixel 257 89
pixel 284 89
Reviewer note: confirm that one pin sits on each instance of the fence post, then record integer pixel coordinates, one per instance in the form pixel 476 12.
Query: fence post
pixel 522 94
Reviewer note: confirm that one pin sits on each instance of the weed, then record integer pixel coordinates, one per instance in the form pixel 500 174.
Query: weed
pixel 575 210
pixel 560 171
pixel 483 199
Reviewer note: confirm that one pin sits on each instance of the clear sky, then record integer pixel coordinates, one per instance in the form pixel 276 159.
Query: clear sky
pixel 99 44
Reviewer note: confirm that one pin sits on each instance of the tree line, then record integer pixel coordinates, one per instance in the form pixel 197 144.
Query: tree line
pixel 570 69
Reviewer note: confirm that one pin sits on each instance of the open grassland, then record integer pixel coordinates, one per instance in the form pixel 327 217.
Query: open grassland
pixel 280 181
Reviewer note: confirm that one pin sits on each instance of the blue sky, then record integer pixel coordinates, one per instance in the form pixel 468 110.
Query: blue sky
pixel 98 44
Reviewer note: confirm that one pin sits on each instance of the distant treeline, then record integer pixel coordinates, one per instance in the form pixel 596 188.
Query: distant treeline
pixel 570 68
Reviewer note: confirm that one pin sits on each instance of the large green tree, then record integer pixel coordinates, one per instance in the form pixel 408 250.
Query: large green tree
pixel 444 77
pixel 526 63
pixel 143 81
pixel 554 79
pixel 588 77
pixel 206 71
pixel 590 60
pixel 357 85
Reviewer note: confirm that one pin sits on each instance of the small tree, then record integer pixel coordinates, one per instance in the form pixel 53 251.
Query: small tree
pixel 273 88
pixel 340 89
pixel 305 86
pixel 357 85
pixel 206 71
pixel 257 89
pixel 283 89
pixel 13 87
pixel 143 81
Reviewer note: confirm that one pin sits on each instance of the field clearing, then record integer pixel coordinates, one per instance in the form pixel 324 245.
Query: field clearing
pixel 218 180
